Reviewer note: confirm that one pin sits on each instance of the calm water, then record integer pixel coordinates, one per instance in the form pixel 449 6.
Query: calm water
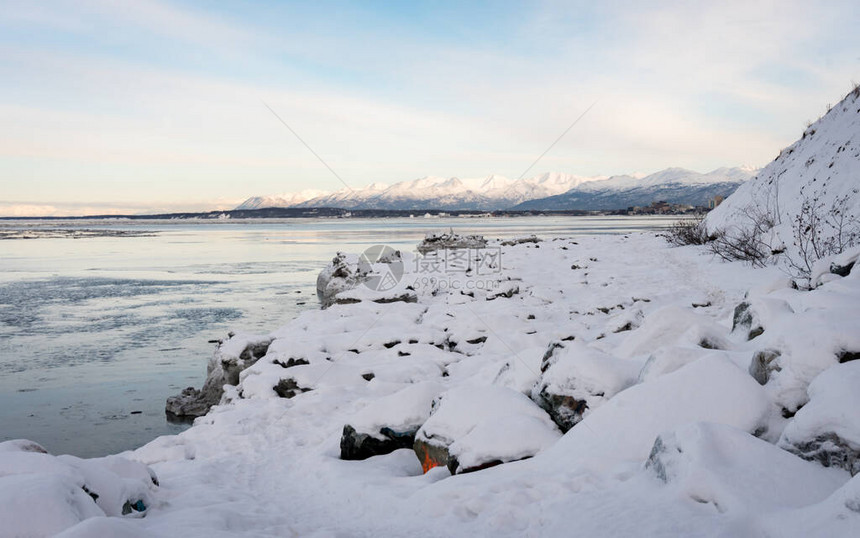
pixel 98 328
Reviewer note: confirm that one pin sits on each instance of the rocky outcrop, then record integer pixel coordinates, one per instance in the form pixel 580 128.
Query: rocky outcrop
pixel 764 363
pixel 230 358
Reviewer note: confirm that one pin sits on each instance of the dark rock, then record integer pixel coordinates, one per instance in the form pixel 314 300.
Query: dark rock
pixel 223 369
pixel 133 506
pixel 507 294
pixel 402 298
pixel 655 459
pixel 763 364
pixel 189 403
pixel 479 340
pixel 841 270
pixel 521 240
pixel 830 451
pixel 546 360
pixel 744 318
pixel 708 344
pixel 288 388
pixel 95 496
pixel 848 356
pixel 565 411
pixel 360 446
pixel 291 362
pixel 368 376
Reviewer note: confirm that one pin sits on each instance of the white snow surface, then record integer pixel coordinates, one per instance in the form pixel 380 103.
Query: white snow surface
pixel 264 465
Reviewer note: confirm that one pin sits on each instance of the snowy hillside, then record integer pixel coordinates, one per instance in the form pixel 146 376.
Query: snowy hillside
pixel 673 185
pixel 804 185
pixel 498 192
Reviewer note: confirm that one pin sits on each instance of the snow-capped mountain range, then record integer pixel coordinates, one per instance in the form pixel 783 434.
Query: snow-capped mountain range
pixel 673 185
pixel 498 192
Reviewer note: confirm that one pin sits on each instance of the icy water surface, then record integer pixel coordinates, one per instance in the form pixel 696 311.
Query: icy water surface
pixel 101 321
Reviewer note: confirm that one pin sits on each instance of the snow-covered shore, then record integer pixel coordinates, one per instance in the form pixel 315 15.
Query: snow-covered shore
pixel 684 413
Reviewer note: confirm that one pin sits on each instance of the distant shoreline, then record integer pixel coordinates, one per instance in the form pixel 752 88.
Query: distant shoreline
pixel 333 212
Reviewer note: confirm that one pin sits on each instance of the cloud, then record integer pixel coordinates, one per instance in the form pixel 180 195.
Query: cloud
pixel 155 101
pixel 65 209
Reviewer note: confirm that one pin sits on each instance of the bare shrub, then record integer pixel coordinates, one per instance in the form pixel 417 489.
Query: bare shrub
pixel 746 242
pixel 687 232
pixel 818 232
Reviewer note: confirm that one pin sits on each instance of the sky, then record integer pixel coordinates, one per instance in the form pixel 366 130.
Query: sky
pixel 161 105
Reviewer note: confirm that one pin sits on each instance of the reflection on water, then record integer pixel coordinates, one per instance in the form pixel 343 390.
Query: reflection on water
pixel 102 320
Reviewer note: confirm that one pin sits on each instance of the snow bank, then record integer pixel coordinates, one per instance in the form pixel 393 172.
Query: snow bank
pixel 736 472
pixel 712 389
pixel 41 494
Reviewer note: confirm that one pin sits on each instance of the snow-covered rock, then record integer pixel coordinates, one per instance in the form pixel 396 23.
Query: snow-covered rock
pixel 737 472
pixel 472 428
pixel 41 494
pixel 827 429
pixel 711 389
pixel 577 379
pixel 388 423
pixel 451 241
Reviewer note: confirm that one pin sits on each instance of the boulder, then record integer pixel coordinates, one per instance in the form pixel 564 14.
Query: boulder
pixel 472 428
pixel 764 363
pixel 360 446
pixel 576 378
pixel 388 423
pixel 827 429
pixel 289 388
pixel 230 358
pixel 752 316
